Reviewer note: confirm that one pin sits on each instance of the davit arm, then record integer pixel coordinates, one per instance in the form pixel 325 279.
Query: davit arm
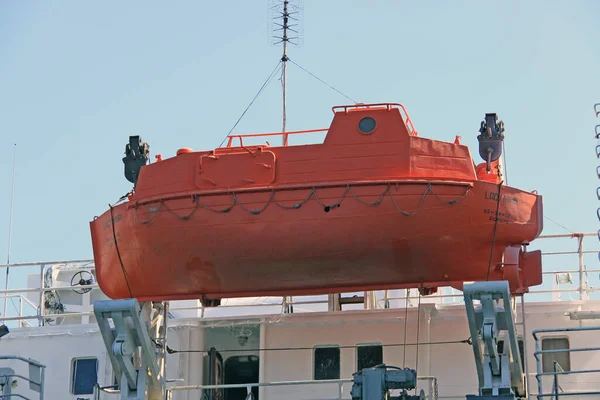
pixel 134 336
pixel 500 374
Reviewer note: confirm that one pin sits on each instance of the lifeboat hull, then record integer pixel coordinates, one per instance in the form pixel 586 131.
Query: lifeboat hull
pixel 312 240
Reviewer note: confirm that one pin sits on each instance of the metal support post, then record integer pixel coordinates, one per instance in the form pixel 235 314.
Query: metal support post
pixel 136 345
pixel 582 280
pixel 525 352
pixel 42 297
pixel 500 375
pixel 333 302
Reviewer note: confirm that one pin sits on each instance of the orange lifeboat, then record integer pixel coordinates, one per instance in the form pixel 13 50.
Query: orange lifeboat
pixel 373 207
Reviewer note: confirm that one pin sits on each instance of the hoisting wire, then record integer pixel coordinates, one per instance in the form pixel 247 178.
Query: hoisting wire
pixel 418 330
pixel 561 225
pixel 321 80
pixel 254 99
pixel 172 351
pixel 112 222
pixel 505 167
pixel 506 181
pixel 487 278
pixel 405 326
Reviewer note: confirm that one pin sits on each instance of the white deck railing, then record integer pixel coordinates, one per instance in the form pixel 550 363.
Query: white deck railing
pixel 565 275
pixel 36 379
pixel 558 373
pixel 343 388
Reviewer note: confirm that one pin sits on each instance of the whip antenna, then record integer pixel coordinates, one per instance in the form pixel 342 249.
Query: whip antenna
pixel 12 196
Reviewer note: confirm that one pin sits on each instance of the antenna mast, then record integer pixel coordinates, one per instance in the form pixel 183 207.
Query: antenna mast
pixel 286 11
pixel 284 59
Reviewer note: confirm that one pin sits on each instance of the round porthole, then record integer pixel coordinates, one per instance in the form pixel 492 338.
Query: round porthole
pixel 367 125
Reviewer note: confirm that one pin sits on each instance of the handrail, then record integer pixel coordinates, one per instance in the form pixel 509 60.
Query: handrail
pixel 48 289
pixel 444 296
pixel 22 377
pixel 30 362
pixel 24 359
pixel 345 108
pixel 91 261
pixel 46 263
pixel 263 384
pixel 340 382
pixel 249 135
pixel 357 106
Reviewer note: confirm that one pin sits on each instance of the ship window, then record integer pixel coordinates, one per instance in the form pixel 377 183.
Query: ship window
pixel 327 363
pixel 521 351
pixel 84 375
pixel 368 356
pixel 239 370
pixel 562 358
pixel 367 125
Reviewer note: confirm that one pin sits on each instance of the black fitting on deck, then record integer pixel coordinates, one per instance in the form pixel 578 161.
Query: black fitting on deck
pixel 491 138
pixel 137 154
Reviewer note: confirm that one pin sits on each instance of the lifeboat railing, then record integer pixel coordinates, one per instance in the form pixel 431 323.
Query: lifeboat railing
pixel 346 108
pixel 240 137
pixel 577 283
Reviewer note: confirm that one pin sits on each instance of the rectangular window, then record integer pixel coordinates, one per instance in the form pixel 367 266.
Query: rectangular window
pixel 84 375
pixel 563 358
pixel 327 363
pixel 521 351
pixel 368 356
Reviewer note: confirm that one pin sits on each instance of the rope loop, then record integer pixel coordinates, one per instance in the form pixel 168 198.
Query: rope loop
pixel 313 193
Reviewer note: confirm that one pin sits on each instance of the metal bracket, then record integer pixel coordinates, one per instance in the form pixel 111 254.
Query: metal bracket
pixel 133 345
pixel 500 375
pixel 137 154
pixel 491 139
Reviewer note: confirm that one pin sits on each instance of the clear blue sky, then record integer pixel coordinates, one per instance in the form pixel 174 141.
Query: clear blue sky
pixel 77 78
